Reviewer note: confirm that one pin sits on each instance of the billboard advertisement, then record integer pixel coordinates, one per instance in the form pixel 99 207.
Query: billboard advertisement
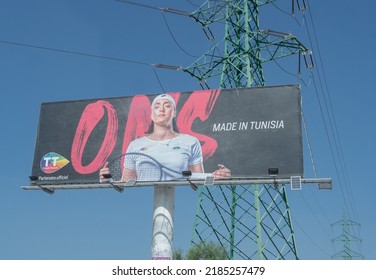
pixel 248 131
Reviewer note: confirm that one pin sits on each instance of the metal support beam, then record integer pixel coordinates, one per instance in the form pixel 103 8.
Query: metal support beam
pixel 321 183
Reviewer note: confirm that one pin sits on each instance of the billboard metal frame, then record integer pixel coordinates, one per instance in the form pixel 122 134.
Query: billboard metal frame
pixel 322 183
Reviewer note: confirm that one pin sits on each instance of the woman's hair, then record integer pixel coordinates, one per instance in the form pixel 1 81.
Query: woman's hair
pixel 174 127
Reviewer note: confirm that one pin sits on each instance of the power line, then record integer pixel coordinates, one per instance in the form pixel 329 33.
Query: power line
pixel 331 129
pixel 167 10
pixel 195 5
pixel 332 123
pixel 139 4
pixel 74 52
pixel 173 37
pixel 315 216
pixel 159 81
pixel 341 155
pixel 310 239
pixel 176 68
pixel 292 14
pixel 333 138
pixel 163 10
pixel 313 166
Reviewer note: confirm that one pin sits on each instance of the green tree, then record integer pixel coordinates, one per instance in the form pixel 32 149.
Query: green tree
pixel 178 255
pixel 202 251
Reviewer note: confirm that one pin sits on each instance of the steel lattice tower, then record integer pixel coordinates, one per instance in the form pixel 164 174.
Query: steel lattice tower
pixel 250 221
pixel 347 239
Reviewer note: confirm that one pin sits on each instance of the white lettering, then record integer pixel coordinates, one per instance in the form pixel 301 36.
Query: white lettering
pixel 54 160
pixel 217 127
pixel 225 126
pixel 251 125
pixel 243 126
pixel 46 161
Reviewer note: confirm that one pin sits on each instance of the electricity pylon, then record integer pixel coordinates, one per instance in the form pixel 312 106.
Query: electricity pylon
pixel 347 239
pixel 250 221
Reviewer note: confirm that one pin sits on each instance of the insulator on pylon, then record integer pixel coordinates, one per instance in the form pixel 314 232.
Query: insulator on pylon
pixel 204 85
pixel 311 57
pixel 208 33
pixel 303 7
pixel 292 7
pixel 309 64
pixel 299 62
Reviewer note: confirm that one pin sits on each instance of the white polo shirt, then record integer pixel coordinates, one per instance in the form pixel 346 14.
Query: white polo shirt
pixel 176 154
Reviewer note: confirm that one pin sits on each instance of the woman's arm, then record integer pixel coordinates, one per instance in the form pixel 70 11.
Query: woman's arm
pixel 221 173
pixel 196 168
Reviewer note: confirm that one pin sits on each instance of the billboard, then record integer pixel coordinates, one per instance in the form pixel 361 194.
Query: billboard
pixel 249 130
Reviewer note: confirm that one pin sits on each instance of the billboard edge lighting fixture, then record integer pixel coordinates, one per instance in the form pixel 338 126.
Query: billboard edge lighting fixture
pixel 187 174
pixel 111 182
pixel 273 171
pixel 33 181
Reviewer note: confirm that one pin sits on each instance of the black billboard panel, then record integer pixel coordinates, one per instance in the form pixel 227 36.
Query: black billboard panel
pixel 252 131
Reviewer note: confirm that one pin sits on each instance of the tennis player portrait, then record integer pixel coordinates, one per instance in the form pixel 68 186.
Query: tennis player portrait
pixel 163 153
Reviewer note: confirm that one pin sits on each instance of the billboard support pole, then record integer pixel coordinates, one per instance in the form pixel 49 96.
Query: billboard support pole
pixel 163 217
pixel 258 221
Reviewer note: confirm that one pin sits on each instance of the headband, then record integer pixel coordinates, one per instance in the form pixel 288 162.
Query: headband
pixel 165 96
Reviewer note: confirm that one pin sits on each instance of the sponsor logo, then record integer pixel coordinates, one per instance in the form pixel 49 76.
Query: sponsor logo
pixel 52 162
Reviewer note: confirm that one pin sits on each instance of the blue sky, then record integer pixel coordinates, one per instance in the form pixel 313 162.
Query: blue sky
pixel 42 47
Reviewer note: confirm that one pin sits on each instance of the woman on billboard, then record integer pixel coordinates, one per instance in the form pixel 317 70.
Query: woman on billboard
pixel 163 153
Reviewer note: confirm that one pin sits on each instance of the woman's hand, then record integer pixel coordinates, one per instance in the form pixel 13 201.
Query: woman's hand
pixel 104 170
pixel 222 172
